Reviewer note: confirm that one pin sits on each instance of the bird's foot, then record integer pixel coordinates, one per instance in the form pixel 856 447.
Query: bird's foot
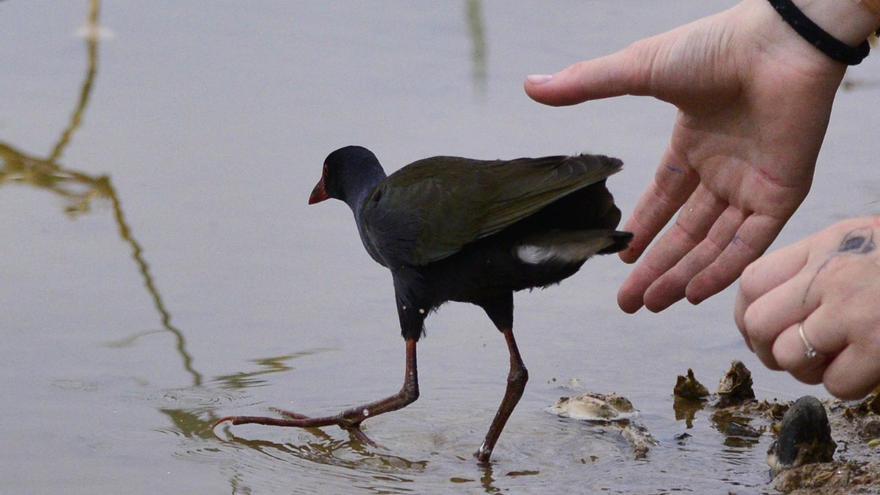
pixel 482 455
pixel 291 419
pixel 289 414
pixel 354 429
pixel 348 420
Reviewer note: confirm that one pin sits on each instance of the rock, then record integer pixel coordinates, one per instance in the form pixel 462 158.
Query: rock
pixel 610 410
pixel 595 407
pixel 873 403
pixel 735 386
pixel 687 387
pixel 831 478
pixel 870 429
pixel 804 436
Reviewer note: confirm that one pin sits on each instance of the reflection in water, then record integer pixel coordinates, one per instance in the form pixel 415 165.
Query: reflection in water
pixel 736 428
pixel 345 464
pixel 687 409
pixel 330 451
pixel 487 480
pixel 144 268
pixel 270 365
pixel 92 30
pixel 477 33
pixel 81 189
pixel 855 84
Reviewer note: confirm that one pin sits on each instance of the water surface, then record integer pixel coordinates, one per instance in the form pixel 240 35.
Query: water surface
pixel 160 267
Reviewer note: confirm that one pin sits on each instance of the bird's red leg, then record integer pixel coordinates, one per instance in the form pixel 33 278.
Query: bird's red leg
pixel 516 383
pixel 349 419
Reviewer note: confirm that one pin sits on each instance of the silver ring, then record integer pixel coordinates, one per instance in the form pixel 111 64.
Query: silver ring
pixel 811 351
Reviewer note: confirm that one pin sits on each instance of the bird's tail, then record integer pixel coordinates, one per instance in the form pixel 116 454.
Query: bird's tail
pixel 570 246
pixel 620 241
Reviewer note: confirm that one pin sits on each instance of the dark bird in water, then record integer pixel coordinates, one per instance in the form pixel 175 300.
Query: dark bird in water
pixel 457 229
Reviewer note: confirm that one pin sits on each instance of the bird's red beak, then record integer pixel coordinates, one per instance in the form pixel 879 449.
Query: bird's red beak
pixel 319 193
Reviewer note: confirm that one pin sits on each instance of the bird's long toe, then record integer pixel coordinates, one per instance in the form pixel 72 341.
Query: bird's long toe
pixel 227 419
pixel 289 414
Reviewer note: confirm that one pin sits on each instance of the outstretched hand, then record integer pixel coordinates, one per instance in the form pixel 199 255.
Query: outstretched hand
pixel 829 284
pixel 754 101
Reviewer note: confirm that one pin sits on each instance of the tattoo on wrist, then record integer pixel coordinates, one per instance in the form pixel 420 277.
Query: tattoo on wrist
pixel 858 242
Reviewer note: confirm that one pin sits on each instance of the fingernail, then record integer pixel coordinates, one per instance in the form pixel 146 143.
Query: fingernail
pixel 538 78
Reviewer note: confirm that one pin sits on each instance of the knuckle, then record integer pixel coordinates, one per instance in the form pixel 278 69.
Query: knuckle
pixel 753 328
pixel 749 275
pixel 871 342
pixel 578 68
pixel 841 390
pixel 808 378
pixel 748 289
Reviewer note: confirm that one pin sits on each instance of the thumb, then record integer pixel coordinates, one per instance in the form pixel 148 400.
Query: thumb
pixel 625 72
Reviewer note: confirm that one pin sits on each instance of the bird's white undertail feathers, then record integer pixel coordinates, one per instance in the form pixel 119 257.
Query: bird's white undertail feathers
pixel 563 246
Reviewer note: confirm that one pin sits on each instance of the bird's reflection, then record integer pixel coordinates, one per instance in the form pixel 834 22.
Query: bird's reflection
pixel 487 480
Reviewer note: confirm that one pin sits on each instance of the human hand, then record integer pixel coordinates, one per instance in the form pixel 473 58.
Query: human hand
pixel 830 283
pixel 754 101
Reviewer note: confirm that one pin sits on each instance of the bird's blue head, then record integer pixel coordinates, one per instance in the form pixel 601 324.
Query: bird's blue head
pixel 348 173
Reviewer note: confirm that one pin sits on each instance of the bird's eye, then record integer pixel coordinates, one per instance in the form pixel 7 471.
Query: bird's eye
pixel 377 196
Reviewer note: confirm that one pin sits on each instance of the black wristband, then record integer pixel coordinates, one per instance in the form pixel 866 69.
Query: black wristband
pixel 818 37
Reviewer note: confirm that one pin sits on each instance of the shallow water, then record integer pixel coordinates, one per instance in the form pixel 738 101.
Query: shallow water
pixel 160 267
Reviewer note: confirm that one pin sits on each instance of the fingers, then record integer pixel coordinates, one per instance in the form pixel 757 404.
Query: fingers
pixel 767 273
pixel 693 258
pixel 828 295
pixel 778 310
pixel 772 270
pixel 821 329
pixel 854 372
pixel 789 354
pixel 750 241
pixel 850 369
pixel 738 312
pixel 764 275
pixel 688 262
pixel 673 184
pixel 625 72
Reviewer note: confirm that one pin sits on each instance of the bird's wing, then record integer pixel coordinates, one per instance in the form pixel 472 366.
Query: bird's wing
pixel 432 208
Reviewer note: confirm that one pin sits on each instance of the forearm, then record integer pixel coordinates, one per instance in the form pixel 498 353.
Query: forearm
pixel 850 21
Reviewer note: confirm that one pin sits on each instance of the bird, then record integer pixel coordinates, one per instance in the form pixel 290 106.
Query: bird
pixel 465 230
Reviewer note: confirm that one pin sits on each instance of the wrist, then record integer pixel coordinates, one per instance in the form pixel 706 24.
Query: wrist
pixel 850 21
